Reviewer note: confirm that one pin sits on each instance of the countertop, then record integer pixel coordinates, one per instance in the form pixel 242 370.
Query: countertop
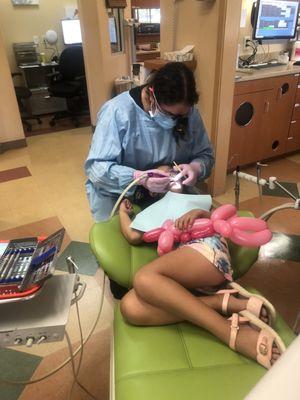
pixel 147 51
pixel 157 63
pixel 250 75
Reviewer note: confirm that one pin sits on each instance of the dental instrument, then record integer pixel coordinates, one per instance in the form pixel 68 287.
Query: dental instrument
pixel 175 186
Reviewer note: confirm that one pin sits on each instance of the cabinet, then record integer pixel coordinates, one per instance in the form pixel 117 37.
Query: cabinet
pixel 145 3
pixel 281 111
pixel 251 115
pixel 293 141
pixel 265 120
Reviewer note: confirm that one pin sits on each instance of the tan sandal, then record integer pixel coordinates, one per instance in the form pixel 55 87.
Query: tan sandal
pixel 254 304
pixel 267 337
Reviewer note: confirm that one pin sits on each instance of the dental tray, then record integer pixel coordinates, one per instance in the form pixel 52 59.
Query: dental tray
pixel 26 264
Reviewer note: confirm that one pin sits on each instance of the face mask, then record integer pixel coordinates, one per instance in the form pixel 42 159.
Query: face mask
pixel 162 120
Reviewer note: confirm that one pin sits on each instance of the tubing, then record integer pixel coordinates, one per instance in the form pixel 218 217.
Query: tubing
pixel 135 182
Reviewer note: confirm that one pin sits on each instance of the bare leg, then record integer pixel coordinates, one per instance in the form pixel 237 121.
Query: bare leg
pixel 138 312
pixel 162 285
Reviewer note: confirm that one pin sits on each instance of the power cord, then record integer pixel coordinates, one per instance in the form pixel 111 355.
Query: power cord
pixel 81 352
pixel 75 380
pixel 75 373
pixel 54 371
pixel 245 62
pixel 254 45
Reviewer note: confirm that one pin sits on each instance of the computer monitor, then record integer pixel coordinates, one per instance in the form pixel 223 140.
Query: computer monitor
pixel 71 31
pixel 275 19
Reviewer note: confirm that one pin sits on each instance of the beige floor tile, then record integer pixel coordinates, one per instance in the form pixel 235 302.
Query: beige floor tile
pixel 22 192
pixel 30 213
pixel 248 191
pixel 8 219
pixel 94 373
pixel 57 185
pixel 15 158
pixel 295 158
pixel 4 203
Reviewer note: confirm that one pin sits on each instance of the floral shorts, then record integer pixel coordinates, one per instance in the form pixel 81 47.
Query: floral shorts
pixel 215 249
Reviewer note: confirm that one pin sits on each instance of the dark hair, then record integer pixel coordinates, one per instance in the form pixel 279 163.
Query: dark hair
pixel 174 83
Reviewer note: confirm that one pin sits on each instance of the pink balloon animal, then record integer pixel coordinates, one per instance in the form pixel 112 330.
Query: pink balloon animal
pixel 244 231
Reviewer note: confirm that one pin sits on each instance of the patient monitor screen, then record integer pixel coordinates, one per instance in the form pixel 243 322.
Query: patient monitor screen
pixel 71 31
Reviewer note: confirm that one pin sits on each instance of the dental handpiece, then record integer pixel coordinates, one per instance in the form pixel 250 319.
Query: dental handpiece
pixel 155 175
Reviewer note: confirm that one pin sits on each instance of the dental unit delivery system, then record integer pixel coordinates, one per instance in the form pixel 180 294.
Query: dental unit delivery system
pixel 272 183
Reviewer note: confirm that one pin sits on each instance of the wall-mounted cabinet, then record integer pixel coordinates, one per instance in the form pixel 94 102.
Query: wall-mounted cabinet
pixel 266 119
pixel 145 3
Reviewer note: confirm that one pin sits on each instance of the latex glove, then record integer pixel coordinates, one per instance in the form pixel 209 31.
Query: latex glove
pixel 157 181
pixel 191 172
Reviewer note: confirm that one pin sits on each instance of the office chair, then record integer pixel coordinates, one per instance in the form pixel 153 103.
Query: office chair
pixel 22 94
pixel 69 83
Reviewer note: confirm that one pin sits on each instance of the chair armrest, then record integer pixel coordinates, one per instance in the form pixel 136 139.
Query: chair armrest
pixel 13 74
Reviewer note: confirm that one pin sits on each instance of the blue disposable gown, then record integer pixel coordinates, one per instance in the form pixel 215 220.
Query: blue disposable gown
pixel 127 138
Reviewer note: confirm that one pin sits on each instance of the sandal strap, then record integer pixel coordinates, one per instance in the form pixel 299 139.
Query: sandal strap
pixel 234 328
pixel 225 303
pixel 226 296
pixel 254 305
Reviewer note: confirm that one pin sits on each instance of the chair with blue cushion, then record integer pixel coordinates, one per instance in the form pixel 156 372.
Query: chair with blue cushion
pixel 179 361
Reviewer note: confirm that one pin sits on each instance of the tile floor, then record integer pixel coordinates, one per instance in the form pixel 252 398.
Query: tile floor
pixel 40 202
pixel 51 195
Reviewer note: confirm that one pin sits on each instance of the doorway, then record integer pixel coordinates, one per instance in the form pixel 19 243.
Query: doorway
pixel 147 32
pixel 35 37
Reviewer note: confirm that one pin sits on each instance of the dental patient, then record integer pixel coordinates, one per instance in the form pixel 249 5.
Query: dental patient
pixel 164 293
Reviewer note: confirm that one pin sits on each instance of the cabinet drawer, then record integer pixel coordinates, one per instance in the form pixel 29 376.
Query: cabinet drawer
pixel 296 112
pixel 298 93
pixel 253 86
pixel 293 140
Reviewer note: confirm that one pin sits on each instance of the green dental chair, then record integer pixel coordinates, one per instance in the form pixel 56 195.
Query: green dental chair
pixel 179 361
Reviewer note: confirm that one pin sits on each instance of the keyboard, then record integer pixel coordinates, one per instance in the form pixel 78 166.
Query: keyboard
pixel 266 65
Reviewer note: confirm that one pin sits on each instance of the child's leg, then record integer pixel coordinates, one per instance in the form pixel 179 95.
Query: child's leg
pixel 138 312
pixel 163 283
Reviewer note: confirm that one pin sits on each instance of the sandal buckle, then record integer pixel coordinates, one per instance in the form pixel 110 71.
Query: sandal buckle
pixel 263 349
pixel 234 326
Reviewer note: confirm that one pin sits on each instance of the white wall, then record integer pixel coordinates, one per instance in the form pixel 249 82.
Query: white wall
pixel 101 65
pixel 196 23
pixel 10 122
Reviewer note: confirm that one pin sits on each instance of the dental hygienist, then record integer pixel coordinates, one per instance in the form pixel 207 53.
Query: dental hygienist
pixel 143 129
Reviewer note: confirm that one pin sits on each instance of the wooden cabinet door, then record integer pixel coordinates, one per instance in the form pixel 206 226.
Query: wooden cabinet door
pixel 293 141
pixel 281 111
pixel 250 127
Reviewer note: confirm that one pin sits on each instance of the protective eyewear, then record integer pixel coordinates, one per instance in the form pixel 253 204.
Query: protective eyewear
pixel 167 113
